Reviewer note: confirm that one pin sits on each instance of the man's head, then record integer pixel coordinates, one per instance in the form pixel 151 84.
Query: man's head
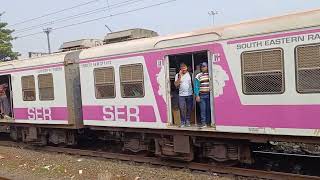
pixel 183 68
pixel 204 67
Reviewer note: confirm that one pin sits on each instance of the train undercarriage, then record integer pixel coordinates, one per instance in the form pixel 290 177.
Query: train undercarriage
pixel 183 147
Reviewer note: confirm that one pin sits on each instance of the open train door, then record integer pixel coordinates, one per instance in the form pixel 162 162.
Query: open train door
pixel 212 58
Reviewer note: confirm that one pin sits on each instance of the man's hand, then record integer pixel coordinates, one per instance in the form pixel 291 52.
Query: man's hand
pixel 180 74
pixel 198 98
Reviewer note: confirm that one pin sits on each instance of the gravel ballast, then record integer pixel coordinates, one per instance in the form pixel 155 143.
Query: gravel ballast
pixel 18 163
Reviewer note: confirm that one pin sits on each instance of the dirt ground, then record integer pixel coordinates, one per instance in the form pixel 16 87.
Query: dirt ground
pixel 21 164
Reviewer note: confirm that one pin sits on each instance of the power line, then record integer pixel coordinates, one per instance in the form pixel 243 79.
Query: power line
pixel 96 19
pixel 87 13
pixel 56 12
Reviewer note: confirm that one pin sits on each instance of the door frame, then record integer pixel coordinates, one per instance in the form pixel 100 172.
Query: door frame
pixel 168 89
pixel 211 61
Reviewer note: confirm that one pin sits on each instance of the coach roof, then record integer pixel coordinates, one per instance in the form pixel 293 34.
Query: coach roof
pixel 247 28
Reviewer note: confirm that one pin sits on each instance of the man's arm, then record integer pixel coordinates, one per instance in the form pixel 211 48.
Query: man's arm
pixel 177 80
pixel 196 87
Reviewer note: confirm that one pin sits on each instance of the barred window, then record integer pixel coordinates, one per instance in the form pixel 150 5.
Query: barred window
pixel 28 88
pixel 308 68
pixel 131 80
pixel 46 91
pixel 104 82
pixel 262 72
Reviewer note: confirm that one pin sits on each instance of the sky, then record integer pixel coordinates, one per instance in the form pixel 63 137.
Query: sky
pixel 170 18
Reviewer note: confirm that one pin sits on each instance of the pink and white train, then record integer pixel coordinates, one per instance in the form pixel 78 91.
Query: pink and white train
pixel 265 84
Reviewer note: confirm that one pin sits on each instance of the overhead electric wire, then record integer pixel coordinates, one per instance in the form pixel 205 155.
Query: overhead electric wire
pixel 52 13
pixel 96 19
pixel 87 13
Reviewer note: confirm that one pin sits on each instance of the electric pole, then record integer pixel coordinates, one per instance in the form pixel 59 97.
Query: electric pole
pixel 48 31
pixel 213 13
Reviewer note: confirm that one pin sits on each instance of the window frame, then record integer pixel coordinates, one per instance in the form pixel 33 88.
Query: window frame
pixel 143 84
pixel 282 72
pixel 297 68
pixel 114 82
pixel 51 99
pixel 22 88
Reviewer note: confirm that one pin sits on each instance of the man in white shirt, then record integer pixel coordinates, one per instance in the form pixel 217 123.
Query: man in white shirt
pixel 183 81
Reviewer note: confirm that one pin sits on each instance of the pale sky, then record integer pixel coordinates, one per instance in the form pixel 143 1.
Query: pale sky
pixel 174 17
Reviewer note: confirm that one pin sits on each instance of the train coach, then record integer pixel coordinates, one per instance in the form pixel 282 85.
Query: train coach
pixel 264 85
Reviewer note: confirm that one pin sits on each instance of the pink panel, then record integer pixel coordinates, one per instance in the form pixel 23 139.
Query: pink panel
pixel 52 113
pixel 114 113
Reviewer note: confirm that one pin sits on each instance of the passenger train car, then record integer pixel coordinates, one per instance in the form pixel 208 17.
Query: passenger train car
pixel 265 85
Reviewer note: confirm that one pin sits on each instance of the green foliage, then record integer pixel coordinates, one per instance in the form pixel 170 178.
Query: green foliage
pixel 6 52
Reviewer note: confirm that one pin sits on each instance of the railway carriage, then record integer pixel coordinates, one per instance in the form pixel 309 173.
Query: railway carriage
pixel 265 85
pixel 43 93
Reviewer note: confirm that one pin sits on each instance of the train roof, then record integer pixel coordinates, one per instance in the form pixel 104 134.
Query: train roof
pixel 247 28
pixel 54 58
pixel 291 21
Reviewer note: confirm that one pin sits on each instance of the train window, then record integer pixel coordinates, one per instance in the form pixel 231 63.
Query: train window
pixel 308 68
pixel 46 91
pixel 131 80
pixel 28 88
pixel 104 82
pixel 263 72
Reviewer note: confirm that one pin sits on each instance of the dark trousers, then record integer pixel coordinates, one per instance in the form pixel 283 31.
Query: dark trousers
pixel 205 109
pixel 185 106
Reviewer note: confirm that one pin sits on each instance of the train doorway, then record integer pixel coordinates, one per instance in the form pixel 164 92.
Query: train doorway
pixel 6 101
pixel 193 61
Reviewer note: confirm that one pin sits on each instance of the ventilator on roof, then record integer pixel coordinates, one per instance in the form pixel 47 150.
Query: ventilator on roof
pixel 128 35
pixel 80 44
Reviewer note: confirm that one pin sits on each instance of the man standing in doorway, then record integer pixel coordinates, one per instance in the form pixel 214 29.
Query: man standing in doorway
pixel 202 93
pixel 183 81
pixel 4 102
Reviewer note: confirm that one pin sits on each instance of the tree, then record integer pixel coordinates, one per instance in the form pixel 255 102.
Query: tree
pixel 6 52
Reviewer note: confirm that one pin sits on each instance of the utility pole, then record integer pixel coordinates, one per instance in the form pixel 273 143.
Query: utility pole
pixel 213 13
pixel 48 31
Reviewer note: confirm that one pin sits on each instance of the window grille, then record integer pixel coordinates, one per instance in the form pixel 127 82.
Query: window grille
pixel 308 68
pixel 262 72
pixel 131 80
pixel 46 90
pixel 28 88
pixel 104 82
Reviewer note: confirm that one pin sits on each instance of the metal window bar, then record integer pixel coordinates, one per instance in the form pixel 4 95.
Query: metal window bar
pixel 104 83
pixel 262 72
pixel 308 68
pixel 132 81
pixel 28 88
pixel 46 89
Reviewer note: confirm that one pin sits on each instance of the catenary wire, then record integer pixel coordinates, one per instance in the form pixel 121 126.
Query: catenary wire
pixel 96 19
pixel 52 13
pixel 87 13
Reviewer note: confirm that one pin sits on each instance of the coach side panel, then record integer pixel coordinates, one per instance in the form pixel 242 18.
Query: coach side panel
pixel 39 95
pixel 123 92
pixel 274 84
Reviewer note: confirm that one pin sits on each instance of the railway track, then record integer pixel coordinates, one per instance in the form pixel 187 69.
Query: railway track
pixel 236 171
